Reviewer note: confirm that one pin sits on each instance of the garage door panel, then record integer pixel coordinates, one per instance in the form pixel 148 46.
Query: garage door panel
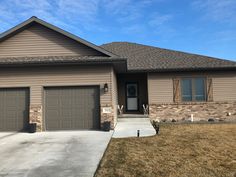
pixel 10 126
pixel 53 102
pixel 53 114
pixel 11 116
pixel 66 124
pixel 14 108
pixel 53 125
pixel 72 108
pixel 66 114
pixel 11 102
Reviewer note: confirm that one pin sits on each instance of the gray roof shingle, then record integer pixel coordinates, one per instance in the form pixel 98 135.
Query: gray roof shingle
pixel 119 64
pixel 58 59
pixel 148 58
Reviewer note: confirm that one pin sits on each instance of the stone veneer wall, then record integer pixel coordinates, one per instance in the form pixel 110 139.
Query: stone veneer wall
pixel 107 116
pixel 200 111
pixel 36 116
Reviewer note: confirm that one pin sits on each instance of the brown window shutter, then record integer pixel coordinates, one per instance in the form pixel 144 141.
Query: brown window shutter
pixel 209 89
pixel 176 90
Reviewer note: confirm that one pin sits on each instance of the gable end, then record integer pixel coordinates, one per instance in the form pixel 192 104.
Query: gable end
pixel 35 37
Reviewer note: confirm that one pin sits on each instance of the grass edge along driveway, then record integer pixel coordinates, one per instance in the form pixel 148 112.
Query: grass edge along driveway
pixel 184 150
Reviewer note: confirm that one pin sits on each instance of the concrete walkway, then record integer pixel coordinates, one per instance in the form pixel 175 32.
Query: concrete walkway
pixel 52 154
pixel 127 127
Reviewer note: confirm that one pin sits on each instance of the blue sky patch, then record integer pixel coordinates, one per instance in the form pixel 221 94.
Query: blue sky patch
pixel 206 27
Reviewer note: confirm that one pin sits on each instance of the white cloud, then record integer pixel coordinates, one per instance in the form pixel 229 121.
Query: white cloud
pixel 126 11
pixel 134 29
pixel 82 15
pixel 63 13
pixel 217 10
pixel 160 25
pixel 81 9
pixel 158 19
pixel 13 11
pixel 32 5
pixel 116 6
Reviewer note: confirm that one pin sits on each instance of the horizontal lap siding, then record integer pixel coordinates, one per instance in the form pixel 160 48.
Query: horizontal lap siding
pixel 160 89
pixel 36 78
pixel 160 86
pixel 41 41
pixel 35 96
pixel 224 87
pixel 114 95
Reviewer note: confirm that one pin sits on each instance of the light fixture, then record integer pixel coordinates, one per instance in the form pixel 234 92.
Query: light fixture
pixel 105 88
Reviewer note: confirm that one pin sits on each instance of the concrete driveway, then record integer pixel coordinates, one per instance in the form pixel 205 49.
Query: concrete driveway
pixel 52 154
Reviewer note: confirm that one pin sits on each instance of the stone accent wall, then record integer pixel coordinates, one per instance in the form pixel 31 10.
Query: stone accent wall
pixel 200 111
pixel 36 116
pixel 107 116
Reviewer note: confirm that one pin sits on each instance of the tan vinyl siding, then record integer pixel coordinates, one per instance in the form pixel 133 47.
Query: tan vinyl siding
pixel 224 87
pixel 160 86
pixel 114 95
pixel 41 41
pixel 36 78
pixel 35 95
pixel 160 89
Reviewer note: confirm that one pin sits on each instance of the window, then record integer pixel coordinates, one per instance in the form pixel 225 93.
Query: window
pixel 186 86
pixel 193 89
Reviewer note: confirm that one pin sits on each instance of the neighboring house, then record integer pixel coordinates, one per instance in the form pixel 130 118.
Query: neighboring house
pixel 63 82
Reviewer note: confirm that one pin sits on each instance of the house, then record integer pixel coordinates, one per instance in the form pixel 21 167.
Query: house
pixel 62 82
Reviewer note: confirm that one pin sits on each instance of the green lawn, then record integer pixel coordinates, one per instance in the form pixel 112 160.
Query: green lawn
pixel 185 150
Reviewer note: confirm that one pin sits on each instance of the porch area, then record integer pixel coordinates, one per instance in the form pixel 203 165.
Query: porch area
pixel 132 93
pixel 133 119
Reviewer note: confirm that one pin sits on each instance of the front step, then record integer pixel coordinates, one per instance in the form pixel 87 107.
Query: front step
pixel 132 116
pixel 134 120
pixel 129 127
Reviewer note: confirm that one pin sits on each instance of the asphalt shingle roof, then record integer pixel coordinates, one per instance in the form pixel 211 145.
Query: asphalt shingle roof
pixel 148 58
pixel 59 59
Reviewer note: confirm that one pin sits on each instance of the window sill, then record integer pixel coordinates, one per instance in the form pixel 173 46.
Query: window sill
pixel 193 102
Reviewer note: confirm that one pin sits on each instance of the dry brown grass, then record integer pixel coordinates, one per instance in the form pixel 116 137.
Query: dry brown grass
pixel 187 150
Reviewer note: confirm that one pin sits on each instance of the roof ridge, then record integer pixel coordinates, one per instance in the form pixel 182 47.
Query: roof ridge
pixel 142 57
pixel 172 50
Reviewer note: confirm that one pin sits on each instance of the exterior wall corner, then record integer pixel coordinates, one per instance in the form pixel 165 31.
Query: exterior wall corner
pixel 36 116
pixel 107 116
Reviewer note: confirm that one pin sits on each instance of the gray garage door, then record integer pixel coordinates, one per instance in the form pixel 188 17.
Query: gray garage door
pixel 72 108
pixel 14 109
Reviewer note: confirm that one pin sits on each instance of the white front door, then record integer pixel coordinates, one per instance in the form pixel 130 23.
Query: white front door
pixel 132 97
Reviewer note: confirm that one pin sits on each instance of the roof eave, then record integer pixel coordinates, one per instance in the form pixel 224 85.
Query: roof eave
pixel 120 65
pixel 182 70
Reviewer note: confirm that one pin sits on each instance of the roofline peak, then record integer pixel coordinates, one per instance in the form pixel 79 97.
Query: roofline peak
pixel 35 19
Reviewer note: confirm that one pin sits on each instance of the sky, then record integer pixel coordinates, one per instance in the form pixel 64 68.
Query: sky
pixel 206 27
